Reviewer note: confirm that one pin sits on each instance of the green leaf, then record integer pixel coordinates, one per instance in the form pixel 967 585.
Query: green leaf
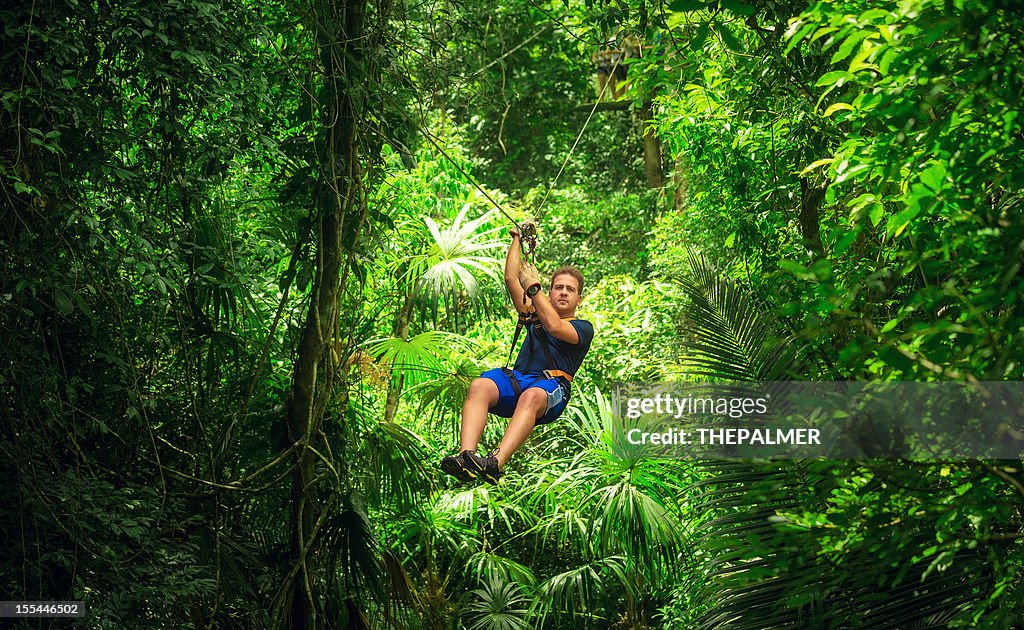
pixel 63 301
pixel 816 164
pixel 875 213
pixel 698 39
pixel 934 176
pixel 848 45
pixel 796 36
pixel 835 107
pixel 899 221
pixel 729 38
pixel 836 78
pixel 686 5
pixel 823 31
pixel 986 155
pixel 845 241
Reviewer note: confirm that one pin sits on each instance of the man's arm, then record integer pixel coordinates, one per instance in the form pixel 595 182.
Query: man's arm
pixel 512 273
pixel 554 325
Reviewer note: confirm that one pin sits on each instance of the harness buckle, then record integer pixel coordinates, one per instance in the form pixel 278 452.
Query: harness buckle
pixel 557 374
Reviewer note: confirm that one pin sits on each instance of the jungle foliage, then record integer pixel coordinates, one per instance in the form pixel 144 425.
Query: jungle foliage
pixel 249 266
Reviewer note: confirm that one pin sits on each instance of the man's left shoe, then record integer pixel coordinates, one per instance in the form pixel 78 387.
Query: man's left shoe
pixel 484 467
pixel 459 466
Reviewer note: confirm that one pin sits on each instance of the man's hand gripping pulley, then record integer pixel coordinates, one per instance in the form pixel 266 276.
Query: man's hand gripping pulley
pixel 527 231
pixel 529 278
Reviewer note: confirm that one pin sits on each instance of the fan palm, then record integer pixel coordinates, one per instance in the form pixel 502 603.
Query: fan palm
pixel 442 397
pixel 445 274
pixel 416 359
pixel 614 505
pixel 498 605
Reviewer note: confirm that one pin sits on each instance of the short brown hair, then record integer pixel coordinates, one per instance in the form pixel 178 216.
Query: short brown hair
pixel 571 271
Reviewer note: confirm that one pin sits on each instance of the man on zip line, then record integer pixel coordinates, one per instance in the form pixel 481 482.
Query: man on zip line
pixel 537 390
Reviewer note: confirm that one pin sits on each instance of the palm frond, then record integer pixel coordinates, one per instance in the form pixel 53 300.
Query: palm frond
pixel 481 507
pixel 354 549
pixel 583 591
pixel 416 359
pixel 731 335
pixel 446 273
pixel 498 605
pixel 630 521
pixel 434 526
pixel 484 563
pixel 443 396
pixel 396 472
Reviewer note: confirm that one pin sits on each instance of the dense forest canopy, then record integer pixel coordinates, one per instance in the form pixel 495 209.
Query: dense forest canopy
pixel 252 260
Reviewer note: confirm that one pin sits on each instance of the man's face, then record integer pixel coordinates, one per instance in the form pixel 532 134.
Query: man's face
pixel 565 294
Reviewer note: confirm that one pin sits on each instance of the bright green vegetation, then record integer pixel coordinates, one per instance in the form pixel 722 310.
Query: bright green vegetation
pixel 246 282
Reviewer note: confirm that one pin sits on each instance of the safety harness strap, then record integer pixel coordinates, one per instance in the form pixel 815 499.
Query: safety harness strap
pixel 538 329
pixel 524 319
pixel 558 373
pixel 517 389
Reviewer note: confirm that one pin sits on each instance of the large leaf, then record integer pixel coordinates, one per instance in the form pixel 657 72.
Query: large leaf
pixel 446 273
pixel 730 334
pixel 416 359
pixel 499 605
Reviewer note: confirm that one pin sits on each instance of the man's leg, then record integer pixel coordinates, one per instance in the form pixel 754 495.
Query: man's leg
pixel 483 394
pixel 532 405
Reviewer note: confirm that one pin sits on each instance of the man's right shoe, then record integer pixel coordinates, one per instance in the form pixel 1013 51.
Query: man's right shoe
pixel 485 468
pixel 458 466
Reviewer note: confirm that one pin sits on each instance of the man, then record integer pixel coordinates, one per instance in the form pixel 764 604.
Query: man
pixel 537 390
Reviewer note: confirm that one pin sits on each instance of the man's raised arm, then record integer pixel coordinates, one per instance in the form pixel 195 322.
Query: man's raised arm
pixel 512 259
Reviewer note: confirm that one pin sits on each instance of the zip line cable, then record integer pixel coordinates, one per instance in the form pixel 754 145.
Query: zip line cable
pixel 593 109
pixel 434 141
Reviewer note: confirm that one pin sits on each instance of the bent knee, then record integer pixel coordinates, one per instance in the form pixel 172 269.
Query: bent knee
pixel 535 397
pixel 483 388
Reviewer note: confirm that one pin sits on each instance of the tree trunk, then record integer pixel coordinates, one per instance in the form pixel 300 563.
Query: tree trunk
pixel 652 149
pixel 810 201
pixel 339 29
pixel 395 389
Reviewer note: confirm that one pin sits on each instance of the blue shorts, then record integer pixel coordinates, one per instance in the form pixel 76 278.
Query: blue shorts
pixel 557 389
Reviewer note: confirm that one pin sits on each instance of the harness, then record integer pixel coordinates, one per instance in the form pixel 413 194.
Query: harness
pixel 525 319
pixel 528 244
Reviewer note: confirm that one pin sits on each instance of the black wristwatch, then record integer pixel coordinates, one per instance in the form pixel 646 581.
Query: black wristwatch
pixel 533 290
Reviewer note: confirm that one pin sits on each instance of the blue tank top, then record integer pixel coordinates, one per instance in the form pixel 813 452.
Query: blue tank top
pixel 564 355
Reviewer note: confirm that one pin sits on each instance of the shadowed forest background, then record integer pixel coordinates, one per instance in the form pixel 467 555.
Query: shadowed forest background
pixel 248 274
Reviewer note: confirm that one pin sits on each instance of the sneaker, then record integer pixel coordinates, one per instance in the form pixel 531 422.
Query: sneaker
pixel 484 467
pixel 456 466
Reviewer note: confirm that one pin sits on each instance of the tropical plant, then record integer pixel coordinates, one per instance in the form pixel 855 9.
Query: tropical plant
pixel 614 508
pixel 445 273
pixel 497 605
pixel 770 559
